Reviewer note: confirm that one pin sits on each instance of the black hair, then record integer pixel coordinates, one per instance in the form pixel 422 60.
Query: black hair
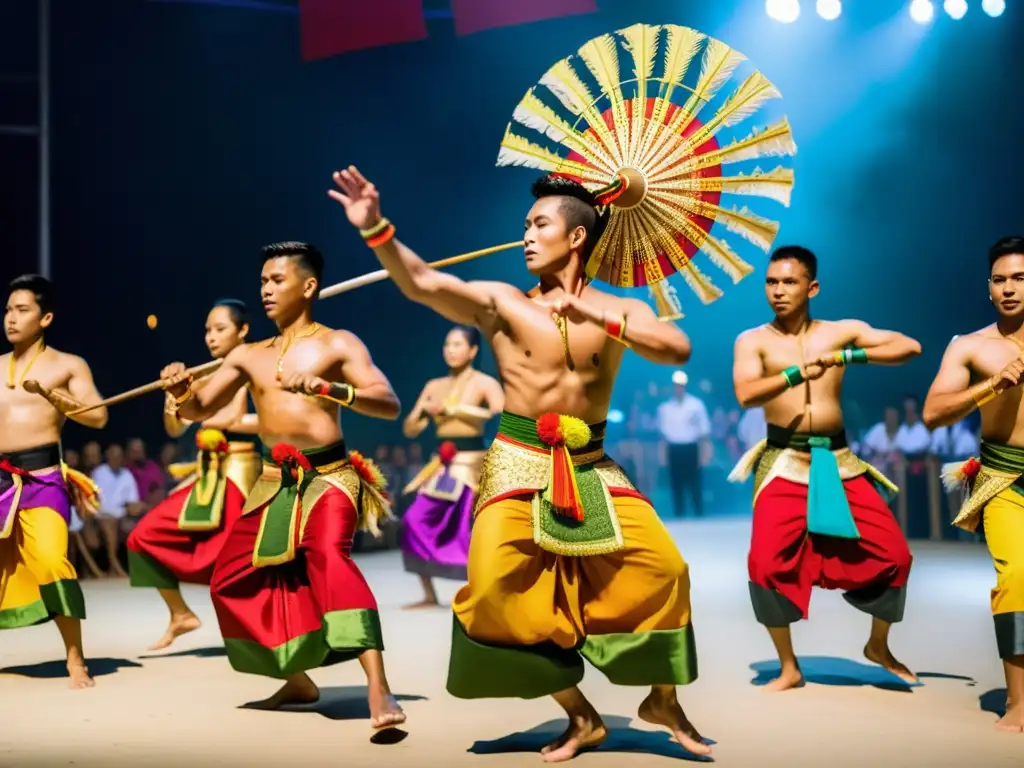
pixel 471 334
pixel 38 286
pixel 799 254
pixel 910 396
pixel 308 257
pixel 578 208
pixel 236 309
pixel 1005 246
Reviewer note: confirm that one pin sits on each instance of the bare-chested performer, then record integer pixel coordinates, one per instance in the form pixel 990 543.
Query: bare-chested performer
pixel 179 539
pixel 37 491
pixel 567 559
pixel 819 519
pixel 984 370
pixel 436 526
pixel 288 596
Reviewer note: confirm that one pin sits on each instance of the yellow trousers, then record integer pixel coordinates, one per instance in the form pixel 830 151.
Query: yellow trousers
pixel 37 581
pixel 527 615
pixel 1004 531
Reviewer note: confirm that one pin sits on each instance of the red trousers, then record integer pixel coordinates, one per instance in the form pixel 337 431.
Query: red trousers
pixel 316 610
pixel 786 561
pixel 160 554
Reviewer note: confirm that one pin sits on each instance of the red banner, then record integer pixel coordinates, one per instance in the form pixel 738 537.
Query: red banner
pixel 332 27
pixel 477 15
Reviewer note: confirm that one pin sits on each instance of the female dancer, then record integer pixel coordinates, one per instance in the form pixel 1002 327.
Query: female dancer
pixel 435 527
pixel 179 539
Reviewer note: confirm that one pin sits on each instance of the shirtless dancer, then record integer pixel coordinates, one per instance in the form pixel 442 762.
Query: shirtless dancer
pixel 436 526
pixel 807 480
pixel 37 582
pixel 984 370
pixel 609 581
pixel 287 594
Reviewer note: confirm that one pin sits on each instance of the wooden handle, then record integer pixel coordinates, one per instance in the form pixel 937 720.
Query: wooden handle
pixel 382 274
pixel 145 389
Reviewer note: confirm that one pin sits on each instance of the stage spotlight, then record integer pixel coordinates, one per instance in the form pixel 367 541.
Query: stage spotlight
pixel 955 9
pixel 922 11
pixel 785 11
pixel 993 7
pixel 829 10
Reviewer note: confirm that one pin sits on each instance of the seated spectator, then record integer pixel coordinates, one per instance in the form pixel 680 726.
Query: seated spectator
pixel 149 476
pixel 119 504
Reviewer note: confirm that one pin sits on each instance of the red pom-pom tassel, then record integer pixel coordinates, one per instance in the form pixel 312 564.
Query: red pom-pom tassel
pixel 971 468
pixel 446 452
pixel 549 429
pixel 289 457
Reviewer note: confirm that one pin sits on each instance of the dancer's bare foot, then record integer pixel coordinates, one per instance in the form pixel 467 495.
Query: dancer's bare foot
pixel 880 654
pixel 299 689
pixel 584 732
pixel 384 710
pixel 664 709
pixel 1012 721
pixel 179 626
pixel 426 603
pixel 78 675
pixel 789 677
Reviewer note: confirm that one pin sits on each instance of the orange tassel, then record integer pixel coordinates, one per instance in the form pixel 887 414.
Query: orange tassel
pixel 565 495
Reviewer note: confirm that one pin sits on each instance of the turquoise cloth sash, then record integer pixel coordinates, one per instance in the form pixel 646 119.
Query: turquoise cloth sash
pixel 828 511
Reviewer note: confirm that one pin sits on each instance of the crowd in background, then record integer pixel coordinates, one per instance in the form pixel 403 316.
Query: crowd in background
pixel 677 445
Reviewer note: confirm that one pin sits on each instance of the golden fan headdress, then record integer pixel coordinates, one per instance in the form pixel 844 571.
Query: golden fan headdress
pixel 650 147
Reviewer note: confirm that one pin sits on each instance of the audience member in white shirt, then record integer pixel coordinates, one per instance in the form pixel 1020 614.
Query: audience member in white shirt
pixel 912 438
pixel 684 425
pixel 753 428
pixel 879 444
pixel 119 502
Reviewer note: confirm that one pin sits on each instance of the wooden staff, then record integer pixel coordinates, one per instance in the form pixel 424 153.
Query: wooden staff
pixel 326 293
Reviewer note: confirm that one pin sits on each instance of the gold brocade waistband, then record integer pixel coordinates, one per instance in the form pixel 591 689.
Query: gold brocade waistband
pixel 510 467
pixel 465 469
pixel 769 462
pixel 241 465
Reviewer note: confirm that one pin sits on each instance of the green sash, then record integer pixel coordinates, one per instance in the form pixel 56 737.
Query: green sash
pixel 204 506
pixel 599 531
pixel 1004 458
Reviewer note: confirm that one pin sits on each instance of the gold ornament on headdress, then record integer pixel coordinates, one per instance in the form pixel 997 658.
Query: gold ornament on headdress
pixel 639 146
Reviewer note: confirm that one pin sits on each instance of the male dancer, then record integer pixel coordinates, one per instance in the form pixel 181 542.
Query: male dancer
pixel 37 582
pixel 818 518
pixel 287 594
pixel 605 580
pixel 984 370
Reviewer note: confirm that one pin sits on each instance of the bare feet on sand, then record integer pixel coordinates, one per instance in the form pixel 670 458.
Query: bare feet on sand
pixel 78 675
pixel 421 604
pixel 789 677
pixel 883 656
pixel 384 710
pixel 1012 721
pixel 179 626
pixel 298 690
pixel 664 710
pixel 583 733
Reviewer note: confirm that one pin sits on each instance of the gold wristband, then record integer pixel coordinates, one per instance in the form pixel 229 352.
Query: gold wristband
pixel 180 401
pixel 988 395
pixel 839 357
pixel 375 230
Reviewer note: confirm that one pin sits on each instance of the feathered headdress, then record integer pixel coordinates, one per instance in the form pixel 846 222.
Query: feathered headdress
pixel 643 147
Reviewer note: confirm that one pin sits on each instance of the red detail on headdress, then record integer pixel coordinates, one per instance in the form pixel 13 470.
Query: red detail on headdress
pixel 446 452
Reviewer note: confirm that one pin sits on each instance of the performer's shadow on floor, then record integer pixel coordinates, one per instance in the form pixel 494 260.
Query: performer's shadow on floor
pixel 993 701
pixel 218 651
pixel 49 670
pixel 340 702
pixel 833 670
pixel 621 738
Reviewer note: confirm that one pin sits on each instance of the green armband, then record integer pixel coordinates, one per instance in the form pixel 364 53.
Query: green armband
pixel 855 356
pixel 793 376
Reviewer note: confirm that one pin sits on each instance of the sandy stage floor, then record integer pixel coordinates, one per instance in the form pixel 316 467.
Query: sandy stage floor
pixel 182 708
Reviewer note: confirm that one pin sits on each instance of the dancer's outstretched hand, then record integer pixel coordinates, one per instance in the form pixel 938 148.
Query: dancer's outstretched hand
pixel 357 196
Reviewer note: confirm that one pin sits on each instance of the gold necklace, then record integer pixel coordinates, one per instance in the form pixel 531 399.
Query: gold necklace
pixel 12 366
pixel 563 328
pixel 287 341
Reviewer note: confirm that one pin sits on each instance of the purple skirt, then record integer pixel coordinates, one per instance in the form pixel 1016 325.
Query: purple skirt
pixel 435 534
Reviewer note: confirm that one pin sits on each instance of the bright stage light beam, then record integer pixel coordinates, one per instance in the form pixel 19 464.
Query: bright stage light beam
pixel 922 11
pixel 783 11
pixel 955 9
pixel 993 7
pixel 829 10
